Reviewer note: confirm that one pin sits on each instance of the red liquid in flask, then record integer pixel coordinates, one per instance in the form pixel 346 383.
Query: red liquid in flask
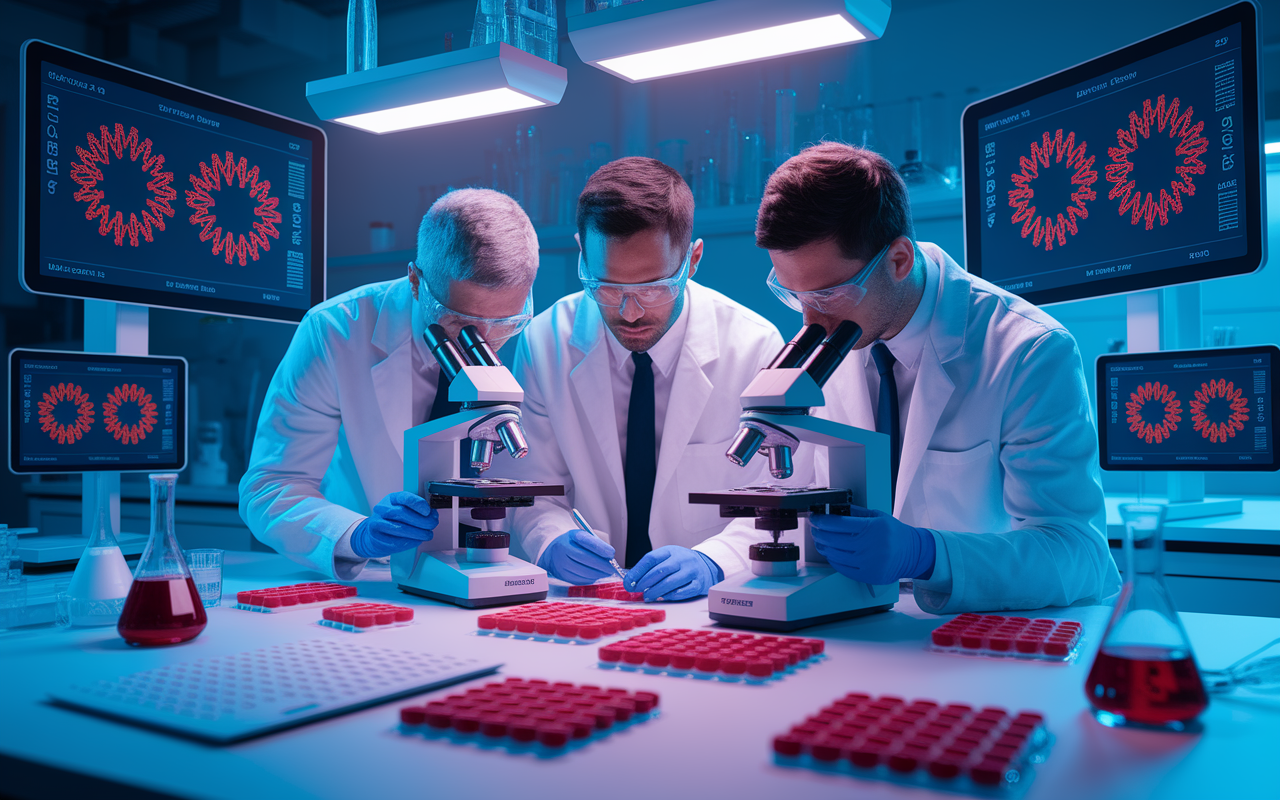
pixel 162 611
pixel 1147 685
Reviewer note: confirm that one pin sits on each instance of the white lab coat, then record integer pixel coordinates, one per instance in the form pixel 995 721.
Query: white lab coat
pixel 999 453
pixel 563 364
pixel 330 440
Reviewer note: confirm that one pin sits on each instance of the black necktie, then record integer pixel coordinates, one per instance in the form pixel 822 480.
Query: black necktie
pixel 887 410
pixel 442 406
pixel 642 458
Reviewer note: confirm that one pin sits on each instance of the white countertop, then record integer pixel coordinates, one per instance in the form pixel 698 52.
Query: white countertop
pixel 711 740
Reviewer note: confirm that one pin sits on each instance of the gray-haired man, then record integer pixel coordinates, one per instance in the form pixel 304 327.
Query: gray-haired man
pixel 323 481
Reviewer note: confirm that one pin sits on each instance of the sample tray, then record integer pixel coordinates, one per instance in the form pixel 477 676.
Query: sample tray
pixel 530 715
pixel 228 698
pixel 609 590
pixel 1009 637
pixel 363 617
pixel 293 596
pixel 580 623
pixel 721 655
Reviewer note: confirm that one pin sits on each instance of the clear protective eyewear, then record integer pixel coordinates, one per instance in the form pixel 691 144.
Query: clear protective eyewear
pixel 496 330
pixel 831 300
pixel 654 294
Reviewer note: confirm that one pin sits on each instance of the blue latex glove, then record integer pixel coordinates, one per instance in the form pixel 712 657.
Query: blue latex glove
pixel 874 547
pixel 673 573
pixel 578 557
pixel 400 521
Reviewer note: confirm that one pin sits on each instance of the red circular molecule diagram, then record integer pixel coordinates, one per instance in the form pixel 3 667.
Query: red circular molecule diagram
pixel 87 173
pixel 1044 227
pixel 1191 145
pixel 201 200
pixel 62 432
pixel 129 433
pixel 1159 393
pixel 1237 404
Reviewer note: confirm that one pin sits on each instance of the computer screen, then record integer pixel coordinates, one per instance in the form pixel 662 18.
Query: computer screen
pixel 1188 410
pixel 138 190
pixel 87 412
pixel 1138 169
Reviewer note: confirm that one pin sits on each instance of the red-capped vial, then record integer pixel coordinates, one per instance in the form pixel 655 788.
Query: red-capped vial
pixel 404 614
pixel 554 734
pixel 658 660
pixel 610 654
pixel 733 666
pixel 945 767
pixel 413 715
pixel 988 773
pixel 707 664
pixel 634 656
pixel 506 624
pixel 645 701
pixel 788 745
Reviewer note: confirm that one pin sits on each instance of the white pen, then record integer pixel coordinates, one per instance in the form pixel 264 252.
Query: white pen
pixel 577 516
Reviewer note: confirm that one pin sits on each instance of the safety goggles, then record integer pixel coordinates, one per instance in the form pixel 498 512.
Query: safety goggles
pixel 493 329
pixel 654 294
pixel 831 300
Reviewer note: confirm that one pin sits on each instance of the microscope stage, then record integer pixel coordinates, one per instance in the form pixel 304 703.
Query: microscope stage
pixel 779 497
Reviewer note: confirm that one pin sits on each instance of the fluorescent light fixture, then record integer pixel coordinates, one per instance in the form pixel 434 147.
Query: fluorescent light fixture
pixel 659 38
pixel 1271 148
pixel 477 82
pixel 736 48
pixel 438 112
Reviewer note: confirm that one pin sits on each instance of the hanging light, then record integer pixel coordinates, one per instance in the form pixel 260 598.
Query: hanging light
pixel 658 38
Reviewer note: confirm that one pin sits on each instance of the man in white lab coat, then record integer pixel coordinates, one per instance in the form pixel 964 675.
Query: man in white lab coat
pixel 324 480
pixel 632 397
pixel 998 500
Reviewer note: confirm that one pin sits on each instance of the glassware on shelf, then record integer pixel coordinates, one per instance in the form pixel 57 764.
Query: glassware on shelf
pixel 1145 673
pixel 828 125
pixel 102 579
pixel 671 152
pixel 163 606
pixel 752 167
pixel 860 127
pixel 527 24
pixel 784 126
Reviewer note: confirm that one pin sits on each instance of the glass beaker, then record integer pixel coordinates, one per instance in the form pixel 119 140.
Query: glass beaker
pixel 1145 673
pixel 163 606
pixel 102 578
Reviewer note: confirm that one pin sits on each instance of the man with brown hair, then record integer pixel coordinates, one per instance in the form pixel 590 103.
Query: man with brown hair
pixel 631 396
pixel 323 483
pixel 997 496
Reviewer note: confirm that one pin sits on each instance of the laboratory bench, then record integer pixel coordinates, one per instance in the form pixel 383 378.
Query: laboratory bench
pixel 710 739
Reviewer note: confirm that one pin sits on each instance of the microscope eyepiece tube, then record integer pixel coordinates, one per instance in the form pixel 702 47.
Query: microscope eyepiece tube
pixel 745 445
pixel 794 352
pixel 477 348
pixel 446 352
pixel 828 356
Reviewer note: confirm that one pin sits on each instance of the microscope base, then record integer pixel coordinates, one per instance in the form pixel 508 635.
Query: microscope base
pixel 447 576
pixel 817 595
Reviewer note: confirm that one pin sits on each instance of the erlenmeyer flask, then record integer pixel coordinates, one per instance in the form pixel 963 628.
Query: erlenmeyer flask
pixel 1145 673
pixel 163 605
pixel 102 578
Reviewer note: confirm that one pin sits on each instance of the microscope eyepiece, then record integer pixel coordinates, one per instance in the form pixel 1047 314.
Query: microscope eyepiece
pixel 828 356
pixel 477 348
pixel 446 352
pixel 794 352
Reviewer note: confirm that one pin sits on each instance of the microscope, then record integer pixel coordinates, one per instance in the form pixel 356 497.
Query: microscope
pixel 783 591
pixel 472 566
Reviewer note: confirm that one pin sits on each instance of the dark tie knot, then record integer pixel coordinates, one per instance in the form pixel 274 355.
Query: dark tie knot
pixel 642 359
pixel 884 359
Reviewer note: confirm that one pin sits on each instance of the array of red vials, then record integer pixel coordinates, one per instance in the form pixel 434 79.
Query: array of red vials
pixel 951 746
pixel 531 713
pixel 282 598
pixel 359 617
pixel 1016 637
pixel 610 590
pixel 711 654
pixel 567 622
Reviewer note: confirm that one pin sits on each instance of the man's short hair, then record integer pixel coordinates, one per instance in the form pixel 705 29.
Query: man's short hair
pixel 834 192
pixel 476 235
pixel 636 194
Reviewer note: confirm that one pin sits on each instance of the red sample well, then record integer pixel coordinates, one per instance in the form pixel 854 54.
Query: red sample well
pixel 951 747
pixel 531 713
pixel 579 622
pixel 359 617
pixel 610 590
pixel 1009 637
pixel 711 653
pixel 281 598
pixel 162 611
pixel 1148 685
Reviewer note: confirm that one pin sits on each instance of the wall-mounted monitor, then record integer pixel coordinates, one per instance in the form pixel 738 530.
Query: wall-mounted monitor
pixel 1138 169
pixel 95 412
pixel 1195 410
pixel 138 190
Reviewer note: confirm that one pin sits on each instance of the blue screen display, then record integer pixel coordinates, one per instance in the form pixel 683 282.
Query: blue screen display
pixel 1188 410
pixel 76 412
pixel 1132 171
pixel 143 192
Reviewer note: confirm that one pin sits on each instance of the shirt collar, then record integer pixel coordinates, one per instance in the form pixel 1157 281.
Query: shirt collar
pixel 909 343
pixel 665 353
